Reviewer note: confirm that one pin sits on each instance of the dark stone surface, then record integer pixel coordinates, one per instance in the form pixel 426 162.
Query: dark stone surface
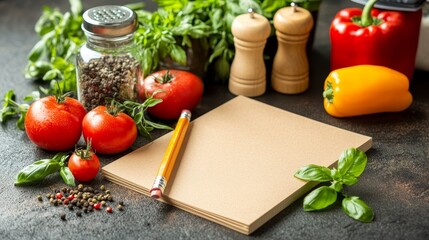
pixel 395 183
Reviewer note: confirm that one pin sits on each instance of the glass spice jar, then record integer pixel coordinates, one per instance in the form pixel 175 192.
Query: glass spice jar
pixel 107 64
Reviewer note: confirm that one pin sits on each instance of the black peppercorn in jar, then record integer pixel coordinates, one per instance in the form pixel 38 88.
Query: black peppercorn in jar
pixel 107 64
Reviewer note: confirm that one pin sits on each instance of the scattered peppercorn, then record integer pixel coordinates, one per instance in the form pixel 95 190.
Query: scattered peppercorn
pixel 58 195
pixel 82 198
pixel 109 209
pixel 120 208
pixel 97 206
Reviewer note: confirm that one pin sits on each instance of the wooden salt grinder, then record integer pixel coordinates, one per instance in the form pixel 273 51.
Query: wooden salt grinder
pixel 290 73
pixel 248 73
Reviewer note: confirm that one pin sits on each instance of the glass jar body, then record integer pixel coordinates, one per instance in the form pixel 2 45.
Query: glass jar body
pixel 107 68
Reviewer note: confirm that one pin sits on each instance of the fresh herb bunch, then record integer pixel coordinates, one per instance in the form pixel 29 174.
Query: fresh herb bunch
pixel 351 165
pixel 51 58
pixel 165 32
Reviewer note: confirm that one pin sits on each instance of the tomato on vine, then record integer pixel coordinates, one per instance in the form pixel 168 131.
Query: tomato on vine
pixel 84 164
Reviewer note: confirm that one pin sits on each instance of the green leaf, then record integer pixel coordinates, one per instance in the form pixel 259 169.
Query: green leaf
pixel 37 69
pixel 37 171
pixel 349 179
pixel 320 198
pixel 33 96
pixel 178 54
pixel 67 176
pixel 352 162
pixel 138 117
pixel 20 124
pixel 337 186
pixel 357 209
pixel 50 75
pixel 336 175
pixel 60 157
pixel 151 102
pixel 158 125
pixel 37 51
pixel 76 7
pixel 314 173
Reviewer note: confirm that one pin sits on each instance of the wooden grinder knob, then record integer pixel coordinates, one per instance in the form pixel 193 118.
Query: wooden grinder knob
pixel 290 73
pixel 248 73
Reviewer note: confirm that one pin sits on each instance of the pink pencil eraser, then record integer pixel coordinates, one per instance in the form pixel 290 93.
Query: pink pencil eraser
pixel 155 193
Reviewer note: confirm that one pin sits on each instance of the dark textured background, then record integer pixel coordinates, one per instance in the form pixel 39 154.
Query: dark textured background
pixel 395 183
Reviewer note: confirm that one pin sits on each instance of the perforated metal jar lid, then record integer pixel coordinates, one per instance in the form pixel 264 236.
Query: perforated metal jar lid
pixel 109 21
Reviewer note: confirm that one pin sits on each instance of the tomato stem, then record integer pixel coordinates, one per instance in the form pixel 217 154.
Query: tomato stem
pixel 59 96
pixel 85 153
pixel 166 78
pixel 113 108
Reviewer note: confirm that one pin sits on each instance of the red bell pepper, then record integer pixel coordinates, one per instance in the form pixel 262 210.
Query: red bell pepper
pixel 375 37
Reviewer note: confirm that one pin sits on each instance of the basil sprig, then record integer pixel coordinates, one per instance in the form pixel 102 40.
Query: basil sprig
pixel 351 165
pixel 40 169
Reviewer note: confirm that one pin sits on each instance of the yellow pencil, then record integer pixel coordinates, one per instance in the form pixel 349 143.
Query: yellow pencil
pixel 170 155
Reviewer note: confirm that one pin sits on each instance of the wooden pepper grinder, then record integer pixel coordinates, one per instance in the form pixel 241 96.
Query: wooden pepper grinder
pixel 248 73
pixel 290 73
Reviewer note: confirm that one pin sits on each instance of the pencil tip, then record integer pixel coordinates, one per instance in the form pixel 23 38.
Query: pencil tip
pixel 155 193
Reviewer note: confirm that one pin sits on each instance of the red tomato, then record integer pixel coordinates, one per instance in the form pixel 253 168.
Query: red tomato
pixel 53 125
pixel 84 165
pixel 109 133
pixel 179 90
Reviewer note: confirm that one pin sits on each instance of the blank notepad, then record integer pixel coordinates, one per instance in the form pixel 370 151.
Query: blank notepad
pixel 237 163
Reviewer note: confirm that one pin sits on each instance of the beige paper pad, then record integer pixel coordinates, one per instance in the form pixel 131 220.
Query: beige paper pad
pixel 237 164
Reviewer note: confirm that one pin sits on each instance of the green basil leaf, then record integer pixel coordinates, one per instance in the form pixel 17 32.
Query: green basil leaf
pixel 35 95
pixel 320 198
pixel 37 51
pixel 51 74
pixel 37 69
pixel 357 209
pixel 349 179
pixel 336 175
pixel 337 186
pixel 352 162
pixel 76 7
pixel 37 171
pixel 67 176
pixel 178 54
pixel 60 157
pixel 222 68
pixel 314 173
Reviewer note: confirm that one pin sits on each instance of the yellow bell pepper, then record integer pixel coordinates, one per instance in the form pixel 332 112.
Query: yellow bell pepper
pixel 365 89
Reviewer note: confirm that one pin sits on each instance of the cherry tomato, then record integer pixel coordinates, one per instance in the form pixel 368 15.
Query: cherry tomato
pixel 179 90
pixel 55 123
pixel 84 165
pixel 109 132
